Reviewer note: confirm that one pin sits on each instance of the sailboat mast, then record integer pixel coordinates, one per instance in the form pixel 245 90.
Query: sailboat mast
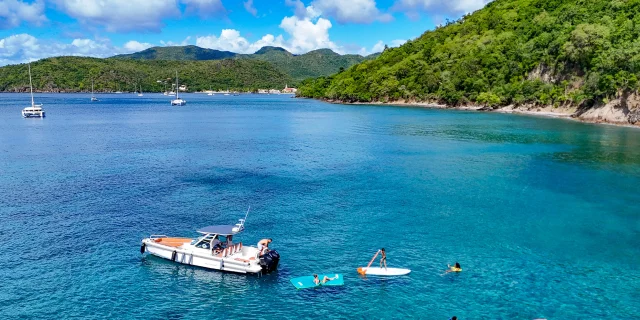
pixel 31 86
pixel 177 87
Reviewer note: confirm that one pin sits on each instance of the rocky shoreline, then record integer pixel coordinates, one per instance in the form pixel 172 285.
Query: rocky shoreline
pixel 624 111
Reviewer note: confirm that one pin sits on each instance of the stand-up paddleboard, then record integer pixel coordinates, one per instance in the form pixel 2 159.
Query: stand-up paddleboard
pixel 307 282
pixel 383 272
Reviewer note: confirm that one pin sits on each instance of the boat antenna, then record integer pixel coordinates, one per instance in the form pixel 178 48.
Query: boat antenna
pixel 246 215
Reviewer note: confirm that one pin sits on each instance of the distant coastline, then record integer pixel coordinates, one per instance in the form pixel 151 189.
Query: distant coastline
pixel 611 113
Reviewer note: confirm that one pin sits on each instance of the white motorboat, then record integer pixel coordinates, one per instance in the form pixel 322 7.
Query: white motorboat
pixel 177 101
pixel 214 249
pixel 35 111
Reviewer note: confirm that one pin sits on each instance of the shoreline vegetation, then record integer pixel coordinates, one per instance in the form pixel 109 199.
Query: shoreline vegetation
pixel 608 114
pixel 567 58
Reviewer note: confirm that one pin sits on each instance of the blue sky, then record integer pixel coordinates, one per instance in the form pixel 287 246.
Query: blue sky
pixel 35 29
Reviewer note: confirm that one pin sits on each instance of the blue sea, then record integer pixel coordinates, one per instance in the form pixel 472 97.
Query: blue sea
pixel 542 214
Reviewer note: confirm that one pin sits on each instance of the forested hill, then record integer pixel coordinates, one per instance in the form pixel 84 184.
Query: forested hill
pixel 543 52
pixel 73 74
pixel 177 53
pixel 312 64
pixel 322 62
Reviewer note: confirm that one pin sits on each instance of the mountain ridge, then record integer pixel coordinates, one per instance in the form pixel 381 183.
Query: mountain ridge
pixel 315 63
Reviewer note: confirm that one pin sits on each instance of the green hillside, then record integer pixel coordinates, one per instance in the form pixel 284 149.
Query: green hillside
pixel 313 64
pixel 71 74
pixel 545 52
pixel 309 65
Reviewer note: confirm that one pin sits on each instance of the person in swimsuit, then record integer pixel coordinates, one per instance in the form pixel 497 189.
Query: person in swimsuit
pixel 317 281
pixel 263 245
pixel 455 268
pixel 383 258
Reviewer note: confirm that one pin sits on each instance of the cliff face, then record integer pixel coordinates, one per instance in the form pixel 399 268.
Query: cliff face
pixel 623 110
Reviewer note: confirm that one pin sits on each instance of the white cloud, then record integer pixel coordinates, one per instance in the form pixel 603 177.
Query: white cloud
pixel 397 42
pixel 351 11
pixel 121 15
pixel 131 15
pixel 379 47
pixel 298 6
pixel 20 48
pixel 229 40
pixel 248 5
pixel 184 42
pixel 438 7
pixel 135 46
pixel 14 12
pixel 204 8
pixel 304 35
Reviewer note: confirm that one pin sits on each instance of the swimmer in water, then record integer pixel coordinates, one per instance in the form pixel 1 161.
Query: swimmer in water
pixel 454 268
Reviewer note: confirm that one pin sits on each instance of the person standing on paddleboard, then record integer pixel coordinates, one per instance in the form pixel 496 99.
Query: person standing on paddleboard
pixel 383 258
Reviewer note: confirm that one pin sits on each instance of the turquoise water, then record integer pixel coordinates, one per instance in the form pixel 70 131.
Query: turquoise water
pixel 542 214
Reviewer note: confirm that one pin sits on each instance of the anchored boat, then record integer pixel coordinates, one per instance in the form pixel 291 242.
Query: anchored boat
pixel 214 249
pixel 35 111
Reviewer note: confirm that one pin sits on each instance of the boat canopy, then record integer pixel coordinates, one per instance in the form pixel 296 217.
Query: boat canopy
pixel 223 230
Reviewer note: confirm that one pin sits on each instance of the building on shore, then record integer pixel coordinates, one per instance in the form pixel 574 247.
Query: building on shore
pixel 289 90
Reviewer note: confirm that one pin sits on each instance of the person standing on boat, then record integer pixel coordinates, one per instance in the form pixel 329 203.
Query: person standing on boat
pixel 263 245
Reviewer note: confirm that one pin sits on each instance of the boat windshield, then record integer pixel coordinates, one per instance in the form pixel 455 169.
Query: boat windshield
pixel 206 241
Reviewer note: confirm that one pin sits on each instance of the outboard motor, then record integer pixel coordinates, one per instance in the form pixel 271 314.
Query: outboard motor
pixel 269 261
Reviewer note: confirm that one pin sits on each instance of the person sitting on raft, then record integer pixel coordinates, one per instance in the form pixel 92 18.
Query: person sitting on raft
pixel 455 268
pixel 383 258
pixel 324 280
pixel 263 245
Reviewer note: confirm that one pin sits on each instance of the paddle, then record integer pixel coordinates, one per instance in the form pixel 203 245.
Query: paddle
pixel 364 271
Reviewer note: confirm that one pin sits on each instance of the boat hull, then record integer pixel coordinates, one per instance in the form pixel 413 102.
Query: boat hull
pixel 243 261
pixel 33 114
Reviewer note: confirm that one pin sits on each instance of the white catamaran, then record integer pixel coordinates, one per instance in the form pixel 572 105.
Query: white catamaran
pixel 177 101
pixel 35 111
pixel 214 249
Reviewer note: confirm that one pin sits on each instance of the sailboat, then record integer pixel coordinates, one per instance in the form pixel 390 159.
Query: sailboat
pixel 93 97
pixel 210 92
pixel 140 94
pixel 35 111
pixel 177 101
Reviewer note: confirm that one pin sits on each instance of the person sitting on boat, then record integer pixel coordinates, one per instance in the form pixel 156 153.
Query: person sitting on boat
pixel 454 268
pixel 383 258
pixel 317 281
pixel 263 245
pixel 229 242
pixel 216 245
